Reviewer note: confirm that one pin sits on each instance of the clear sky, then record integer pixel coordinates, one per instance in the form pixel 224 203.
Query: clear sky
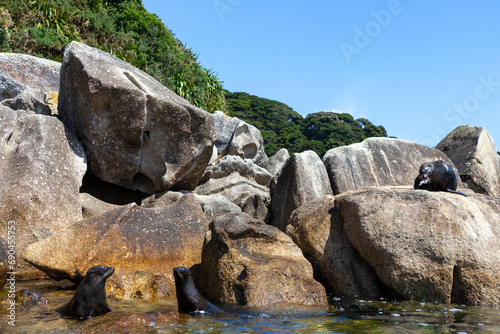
pixel 418 67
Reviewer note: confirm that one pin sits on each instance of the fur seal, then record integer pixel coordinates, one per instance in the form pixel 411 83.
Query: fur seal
pixel 89 299
pixel 437 176
pixel 189 299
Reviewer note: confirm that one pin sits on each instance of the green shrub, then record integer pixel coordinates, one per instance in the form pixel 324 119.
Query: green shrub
pixel 122 28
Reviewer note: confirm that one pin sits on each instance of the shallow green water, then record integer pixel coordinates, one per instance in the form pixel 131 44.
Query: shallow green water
pixel 358 316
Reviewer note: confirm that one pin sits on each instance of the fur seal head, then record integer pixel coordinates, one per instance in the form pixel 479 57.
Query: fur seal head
pixel 189 300
pixel 89 299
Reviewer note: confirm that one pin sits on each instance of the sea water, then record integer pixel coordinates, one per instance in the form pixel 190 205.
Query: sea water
pixel 161 316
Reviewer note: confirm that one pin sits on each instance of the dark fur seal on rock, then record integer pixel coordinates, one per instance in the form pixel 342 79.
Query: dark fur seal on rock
pixel 89 299
pixel 189 299
pixel 437 176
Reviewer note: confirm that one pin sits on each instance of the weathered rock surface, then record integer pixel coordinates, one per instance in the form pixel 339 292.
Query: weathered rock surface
pixel 317 228
pixel 143 245
pixel 20 72
pixel 225 126
pixel 40 174
pixel 92 206
pixel 250 263
pixel 240 181
pixel 27 297
pixel 236 137
pixel 277 161
pixel 474 153
pixel 378 162
pixel 430 246
pixel 212 205
pixel 26 100
pixel 117 322
pixel 136 133
pixel 302 179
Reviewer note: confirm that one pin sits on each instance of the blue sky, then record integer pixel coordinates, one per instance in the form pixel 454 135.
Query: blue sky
pixel 418 67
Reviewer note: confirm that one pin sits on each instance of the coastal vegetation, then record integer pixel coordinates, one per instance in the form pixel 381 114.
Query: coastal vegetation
pixel 127 30
pixel 123 28
pixel 282 127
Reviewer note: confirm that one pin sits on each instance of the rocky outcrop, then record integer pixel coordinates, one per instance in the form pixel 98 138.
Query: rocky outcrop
pixel 474 153
pixel 318 229
pixel 377 162
pixel 240 181
pixel 92 206
pixel 236 137
pixel 143 245
pixel 26 100
pixel 212 205
pixel 247 262
pixel 302 179
pixel 277 161
pixel 41 170
pixel 20 72
pixel 136 133
pixel 225 126
pixel 429 246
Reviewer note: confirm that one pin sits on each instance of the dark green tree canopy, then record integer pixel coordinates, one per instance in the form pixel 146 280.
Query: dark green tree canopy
pixel 282 127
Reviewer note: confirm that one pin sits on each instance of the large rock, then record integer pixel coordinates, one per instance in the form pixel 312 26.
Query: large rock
pixel 212 205
pixel 250 263
pixel 240 181
pixel 92 206
pixel 20 72
pixel 27 101
pixel 302 179
pixel 277 161
pixel 143 245
pixel 136 133
pixel 41 170
pixel 474 153
pixel 225 126
pixel 429 246
pixel 377 162
pixel 318 229
pixel 236 137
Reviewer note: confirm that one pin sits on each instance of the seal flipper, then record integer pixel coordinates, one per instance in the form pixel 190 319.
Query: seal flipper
pixel 212 308
pixel 63 309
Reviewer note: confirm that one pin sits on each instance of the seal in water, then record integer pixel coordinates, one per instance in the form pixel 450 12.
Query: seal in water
pixel 89 299
pixel 437 176
pixel 189 299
